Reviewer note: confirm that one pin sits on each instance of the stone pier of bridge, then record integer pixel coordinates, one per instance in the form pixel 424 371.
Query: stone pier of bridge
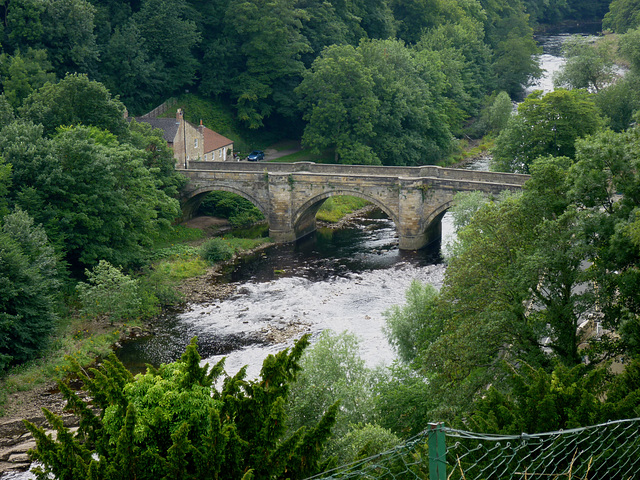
pixel 289 195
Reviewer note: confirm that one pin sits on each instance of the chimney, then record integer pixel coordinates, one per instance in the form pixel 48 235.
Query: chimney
pixel 178 115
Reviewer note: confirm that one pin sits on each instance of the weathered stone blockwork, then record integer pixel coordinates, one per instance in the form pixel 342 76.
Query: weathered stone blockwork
pixel 289 195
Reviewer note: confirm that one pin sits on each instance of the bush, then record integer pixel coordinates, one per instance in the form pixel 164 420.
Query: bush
pixel 216 250
pixel 109 293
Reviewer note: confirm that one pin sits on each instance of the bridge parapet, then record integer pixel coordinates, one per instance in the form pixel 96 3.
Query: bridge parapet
pixel 432 171
pixel 289 195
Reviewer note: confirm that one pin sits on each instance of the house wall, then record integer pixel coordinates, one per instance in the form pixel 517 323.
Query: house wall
pixel 193 148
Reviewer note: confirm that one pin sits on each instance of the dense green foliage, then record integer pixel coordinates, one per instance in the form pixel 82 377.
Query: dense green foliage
pixel 623 15
pixel 216 250
pixel 530 304
pixel 173 422
pixel 251 56
pixel 545 125
pixel 109 293
pixel 504 346
pixel 239 211
pixel 28 289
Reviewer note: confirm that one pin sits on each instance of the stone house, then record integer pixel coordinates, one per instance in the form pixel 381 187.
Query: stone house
pixel 190 142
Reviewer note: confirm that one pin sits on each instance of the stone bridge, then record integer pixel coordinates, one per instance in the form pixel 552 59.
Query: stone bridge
pixel 290 194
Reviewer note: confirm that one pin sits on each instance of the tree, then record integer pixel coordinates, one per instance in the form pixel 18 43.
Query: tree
pixel 93 194
pixel 534 400
pixel 410 126
pixel 499 113
pixel 23 23
pixel 172 422
pixel 339 103
pixel 75 100
pixel 545 125
pixel 109 293
pixel 588 65
pixel 168 37
pixel 126 69
pixel 5 185
pixel 28 289
pixel 510 37
pixel 458 52
pixel 68 36
pixel 623 15
pixel 6 112
pixel 415 16
pixel 332 370
pixel 377 103
pixel 267 36
pixel 605 183
pixel 22 74
pixel 515 288
pixel 412 325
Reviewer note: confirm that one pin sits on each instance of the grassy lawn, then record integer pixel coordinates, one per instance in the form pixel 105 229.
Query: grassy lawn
pixel 305 156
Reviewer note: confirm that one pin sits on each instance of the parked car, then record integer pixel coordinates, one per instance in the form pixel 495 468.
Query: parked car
pixel 255 156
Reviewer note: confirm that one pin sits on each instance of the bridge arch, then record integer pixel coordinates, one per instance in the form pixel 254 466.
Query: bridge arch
pixel 195 197
pixel 432 226
pixel 304 217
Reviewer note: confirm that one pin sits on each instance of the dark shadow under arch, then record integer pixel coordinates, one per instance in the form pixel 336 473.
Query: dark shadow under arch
pixel 193 201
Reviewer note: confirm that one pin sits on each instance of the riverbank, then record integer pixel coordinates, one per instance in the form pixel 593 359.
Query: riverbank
pixel 28 403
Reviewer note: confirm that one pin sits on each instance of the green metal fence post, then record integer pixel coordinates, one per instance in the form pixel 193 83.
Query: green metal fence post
pixel 437 452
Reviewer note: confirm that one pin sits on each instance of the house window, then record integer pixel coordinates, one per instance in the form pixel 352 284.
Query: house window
pixel 195 143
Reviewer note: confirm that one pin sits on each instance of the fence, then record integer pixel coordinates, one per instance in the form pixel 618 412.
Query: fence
pixel 160 109
pixel 607 451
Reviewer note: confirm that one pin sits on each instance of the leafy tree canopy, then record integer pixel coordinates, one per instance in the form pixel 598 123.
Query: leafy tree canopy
pixel 623 15
pixel 28 288
pixel 545 125
pixel 589 64
pixel 92 193
pixel 75 100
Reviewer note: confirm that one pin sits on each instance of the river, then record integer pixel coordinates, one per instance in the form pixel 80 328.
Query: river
pixel 343 280
pixel 340 279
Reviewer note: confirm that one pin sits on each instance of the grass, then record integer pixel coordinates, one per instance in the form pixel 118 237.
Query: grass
pixel 305 156
pixel 76 338
pixel 467 153
pixel 335 208
pixel 242 244
pixel 178 234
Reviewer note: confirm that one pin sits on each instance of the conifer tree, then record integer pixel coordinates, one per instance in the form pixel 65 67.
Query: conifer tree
pixel 173 423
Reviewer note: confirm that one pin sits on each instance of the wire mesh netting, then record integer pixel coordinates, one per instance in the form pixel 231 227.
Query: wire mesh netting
pixel 607 451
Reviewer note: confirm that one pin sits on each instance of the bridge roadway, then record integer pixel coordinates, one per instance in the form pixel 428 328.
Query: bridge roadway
pixel 290 194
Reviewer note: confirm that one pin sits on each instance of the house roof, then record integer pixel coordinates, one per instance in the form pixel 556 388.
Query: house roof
pixel 168 125
pixel 214 141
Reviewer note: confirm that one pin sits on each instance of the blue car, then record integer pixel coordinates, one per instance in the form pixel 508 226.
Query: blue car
pixel 255 156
